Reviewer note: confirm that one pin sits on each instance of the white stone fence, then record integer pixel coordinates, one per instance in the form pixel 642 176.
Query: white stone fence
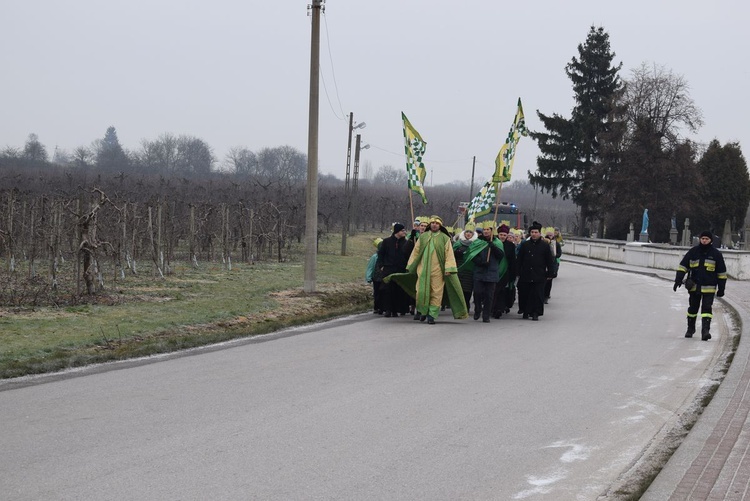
pixel 659 256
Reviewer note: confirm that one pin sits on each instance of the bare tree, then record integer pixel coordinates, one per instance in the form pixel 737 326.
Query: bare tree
pixel 241 161
pixel 387 175
pixel 89 243
pixel 194 156
pixel 659 101
pixel 82 157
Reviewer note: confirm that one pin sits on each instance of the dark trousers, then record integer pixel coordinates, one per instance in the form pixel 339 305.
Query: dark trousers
pixel 532 294
pixel 483 295
pixel 703 301
pixel 548 288
pixel 510 296
pixel 522 288
pixel 499 301
pixel 377 301
pixel 393 298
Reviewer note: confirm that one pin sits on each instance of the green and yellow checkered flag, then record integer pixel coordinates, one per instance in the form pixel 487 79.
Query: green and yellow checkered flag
pixel 504 160
pixel 483 202
pixel 415 147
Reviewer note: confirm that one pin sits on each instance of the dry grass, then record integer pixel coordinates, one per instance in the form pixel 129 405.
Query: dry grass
pixel 144 315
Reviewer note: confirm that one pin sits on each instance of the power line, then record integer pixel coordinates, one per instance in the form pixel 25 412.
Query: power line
pixel 333 70
pixel 328 98
pixel 427 161
pixel 320 71
pixel 387 151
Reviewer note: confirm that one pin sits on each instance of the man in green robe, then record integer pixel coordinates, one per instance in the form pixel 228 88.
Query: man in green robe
pixel 430 271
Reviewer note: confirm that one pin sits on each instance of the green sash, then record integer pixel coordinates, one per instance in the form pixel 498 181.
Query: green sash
pixel 478 246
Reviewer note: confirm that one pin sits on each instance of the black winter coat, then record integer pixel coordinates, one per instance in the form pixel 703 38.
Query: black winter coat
pixel 706 266
pixel 535 261
pixel 393 255
pixel 510 255
pixel 486 270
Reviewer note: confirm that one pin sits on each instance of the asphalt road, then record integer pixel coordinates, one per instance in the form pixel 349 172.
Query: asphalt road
pixel 375 408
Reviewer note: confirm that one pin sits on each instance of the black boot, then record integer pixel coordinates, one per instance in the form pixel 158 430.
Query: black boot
pixel 705 327
pixel 691 327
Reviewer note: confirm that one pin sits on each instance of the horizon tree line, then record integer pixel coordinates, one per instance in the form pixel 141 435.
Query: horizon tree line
pixel 623 149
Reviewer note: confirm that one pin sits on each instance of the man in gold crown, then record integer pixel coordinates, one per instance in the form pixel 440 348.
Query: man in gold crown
pixel 432 265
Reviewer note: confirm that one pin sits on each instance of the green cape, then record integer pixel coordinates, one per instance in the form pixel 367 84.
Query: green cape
pixel 408 280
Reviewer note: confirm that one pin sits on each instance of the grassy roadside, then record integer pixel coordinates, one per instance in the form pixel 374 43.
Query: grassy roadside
pixel 191 307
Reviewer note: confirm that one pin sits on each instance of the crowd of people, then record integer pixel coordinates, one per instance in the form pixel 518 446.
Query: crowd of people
pixel 430 269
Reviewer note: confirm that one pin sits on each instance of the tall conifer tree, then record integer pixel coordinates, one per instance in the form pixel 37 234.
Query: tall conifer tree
pixel 571 161
pixel 110 156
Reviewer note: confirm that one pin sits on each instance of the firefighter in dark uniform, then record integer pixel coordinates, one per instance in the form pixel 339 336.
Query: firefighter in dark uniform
pixel 706 276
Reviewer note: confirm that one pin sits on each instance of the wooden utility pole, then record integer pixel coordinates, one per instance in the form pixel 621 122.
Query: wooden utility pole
pixel 311 196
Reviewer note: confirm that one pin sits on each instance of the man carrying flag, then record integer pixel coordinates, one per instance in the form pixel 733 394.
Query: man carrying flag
pixel 486 260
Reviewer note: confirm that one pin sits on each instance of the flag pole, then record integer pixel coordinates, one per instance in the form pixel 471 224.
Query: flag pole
pixel 498 187
pixel 411 206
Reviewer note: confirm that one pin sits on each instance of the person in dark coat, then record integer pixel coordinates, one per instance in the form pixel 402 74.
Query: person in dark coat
pixel 465 274
pixel 704 265
pixel 520 285
pixel 536 265
pixel 500 303
pixel 486 273
pixel 393 256
pixel 556 248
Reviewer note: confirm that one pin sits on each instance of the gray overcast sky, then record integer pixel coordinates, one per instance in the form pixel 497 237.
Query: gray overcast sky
pixel 236 72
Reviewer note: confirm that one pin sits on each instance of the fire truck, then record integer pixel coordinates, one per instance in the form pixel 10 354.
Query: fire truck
pixel 506 211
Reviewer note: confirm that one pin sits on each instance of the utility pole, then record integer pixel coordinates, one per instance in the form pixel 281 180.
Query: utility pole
pixel 347 197
pixel 354 188
pixel 347 191
pixel 311 196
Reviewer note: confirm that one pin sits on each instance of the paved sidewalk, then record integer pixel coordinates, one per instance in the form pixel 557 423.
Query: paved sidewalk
pixel 713 462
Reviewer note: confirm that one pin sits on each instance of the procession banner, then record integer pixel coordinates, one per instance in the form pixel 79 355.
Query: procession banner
pixel 483 201
pixel 507 154
pixel 414 147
